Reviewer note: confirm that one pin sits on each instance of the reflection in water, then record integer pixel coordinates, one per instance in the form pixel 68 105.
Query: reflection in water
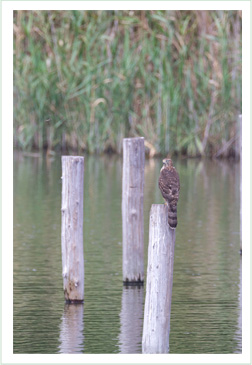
pixel 206 298
pixel 131 319
pixel 71 329
pixel 238 333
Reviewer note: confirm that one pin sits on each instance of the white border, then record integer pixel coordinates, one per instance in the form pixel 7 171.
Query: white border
pixel 7 183
pixel 127 5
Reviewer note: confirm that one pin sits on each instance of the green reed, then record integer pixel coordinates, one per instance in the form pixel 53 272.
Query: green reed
pixel 83 80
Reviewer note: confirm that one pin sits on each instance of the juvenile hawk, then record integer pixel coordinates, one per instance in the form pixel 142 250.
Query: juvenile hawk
pixel 169 186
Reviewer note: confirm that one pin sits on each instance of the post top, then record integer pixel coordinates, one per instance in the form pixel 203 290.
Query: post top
pixel 157 205
pixel 158 208
pixel 73 157
pixel 133 138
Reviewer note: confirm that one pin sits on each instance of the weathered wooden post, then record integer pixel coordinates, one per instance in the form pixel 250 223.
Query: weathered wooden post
pixel 157 308
pixel 132 210
pixel 72 228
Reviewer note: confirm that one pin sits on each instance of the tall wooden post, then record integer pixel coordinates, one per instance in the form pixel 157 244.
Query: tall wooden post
pixel 132 210
pixel 157 308
pixel 72 228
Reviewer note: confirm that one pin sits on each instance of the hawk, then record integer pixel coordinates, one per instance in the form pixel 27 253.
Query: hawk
pixel 169 186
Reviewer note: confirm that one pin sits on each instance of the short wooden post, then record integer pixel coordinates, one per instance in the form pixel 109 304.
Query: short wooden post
pixel 72 228
pixel 157 308
pixel 132 210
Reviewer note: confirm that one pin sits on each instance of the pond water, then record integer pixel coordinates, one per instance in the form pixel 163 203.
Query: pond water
pixel 206 299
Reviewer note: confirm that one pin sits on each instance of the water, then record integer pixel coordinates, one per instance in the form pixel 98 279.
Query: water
pixel 206 299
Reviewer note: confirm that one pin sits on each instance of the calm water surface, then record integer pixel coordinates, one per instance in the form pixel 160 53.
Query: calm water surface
pixel 206 298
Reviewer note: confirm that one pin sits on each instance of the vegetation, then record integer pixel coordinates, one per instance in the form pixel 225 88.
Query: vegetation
pixel 83 80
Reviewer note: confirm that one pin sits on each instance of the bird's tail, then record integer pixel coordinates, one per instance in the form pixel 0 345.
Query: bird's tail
pixel 172 216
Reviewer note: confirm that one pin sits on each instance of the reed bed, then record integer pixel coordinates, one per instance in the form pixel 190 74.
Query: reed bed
pixel 83 80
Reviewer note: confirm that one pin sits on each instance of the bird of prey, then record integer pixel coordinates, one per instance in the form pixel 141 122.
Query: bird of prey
pixel 169 186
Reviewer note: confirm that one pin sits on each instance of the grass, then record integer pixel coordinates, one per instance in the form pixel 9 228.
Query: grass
pixel 173 77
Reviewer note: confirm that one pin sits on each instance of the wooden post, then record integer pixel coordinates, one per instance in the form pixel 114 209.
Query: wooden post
pixel 132 210
pixel 72 228
pixel 157 308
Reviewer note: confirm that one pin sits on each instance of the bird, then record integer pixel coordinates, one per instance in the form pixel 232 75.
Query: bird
pixel 169 186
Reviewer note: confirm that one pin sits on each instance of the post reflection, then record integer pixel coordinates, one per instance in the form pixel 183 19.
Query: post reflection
pixel 131 319
pixel 238 333
pixel 72 329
